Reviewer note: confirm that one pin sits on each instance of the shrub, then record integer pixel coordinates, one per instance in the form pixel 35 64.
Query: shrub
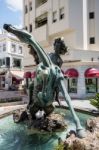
pixel 95 101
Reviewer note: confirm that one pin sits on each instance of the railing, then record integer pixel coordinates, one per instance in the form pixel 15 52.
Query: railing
pixel 41 3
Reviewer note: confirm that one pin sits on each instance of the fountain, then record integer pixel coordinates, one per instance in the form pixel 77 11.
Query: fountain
pixel 41 132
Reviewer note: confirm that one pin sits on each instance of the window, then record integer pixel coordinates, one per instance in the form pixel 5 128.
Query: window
pixel 3 61
pixel 4 47
pixel 92 40
pixel 16 62
pixel 30 6
pixel 61 13
pixel 3 82
pixel 30 28
pixel 26 28
pixel 91 85
pixel 13 48
pixel 72 85
pixel 20 49
pixel 26 10
pixel 91 15
pixel 40 22
pixel 54 16
pixel 92 59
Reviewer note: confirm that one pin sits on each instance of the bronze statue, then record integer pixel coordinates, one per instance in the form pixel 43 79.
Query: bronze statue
pixel 48 78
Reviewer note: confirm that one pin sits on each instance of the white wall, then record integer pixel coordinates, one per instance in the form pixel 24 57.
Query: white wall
pixel 82 55
pixel 28 59
pixel 76 21
pixel 97 23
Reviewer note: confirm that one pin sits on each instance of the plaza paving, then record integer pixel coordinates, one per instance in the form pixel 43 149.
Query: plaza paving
pixel 7 109
pixel 81 104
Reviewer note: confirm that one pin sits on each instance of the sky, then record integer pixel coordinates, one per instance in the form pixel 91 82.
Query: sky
pixel 11 13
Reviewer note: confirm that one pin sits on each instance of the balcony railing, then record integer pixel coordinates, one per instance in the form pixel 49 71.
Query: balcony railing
pixel 40 2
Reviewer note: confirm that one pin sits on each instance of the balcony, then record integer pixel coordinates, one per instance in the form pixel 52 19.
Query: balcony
pixel 42 9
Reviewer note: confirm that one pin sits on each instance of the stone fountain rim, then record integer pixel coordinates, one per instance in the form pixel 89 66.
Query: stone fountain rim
pixel 80 110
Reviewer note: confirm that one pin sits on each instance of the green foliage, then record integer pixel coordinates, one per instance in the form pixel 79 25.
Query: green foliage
pixel 59 147
pixel 95 101
pixel 63 147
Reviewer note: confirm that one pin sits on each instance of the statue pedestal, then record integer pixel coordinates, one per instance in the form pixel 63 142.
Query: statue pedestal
pixel 52 123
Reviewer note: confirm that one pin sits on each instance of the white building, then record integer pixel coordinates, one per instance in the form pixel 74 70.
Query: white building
pixel 77 21
pixel 11 60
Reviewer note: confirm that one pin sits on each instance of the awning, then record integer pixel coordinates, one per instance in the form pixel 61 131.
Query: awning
pixel 71 73
pixel 33 74
pixel 27 75
pixel 92 72
pixel 17 74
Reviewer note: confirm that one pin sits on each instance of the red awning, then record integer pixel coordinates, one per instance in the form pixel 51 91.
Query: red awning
pixel 71 73
pixel 92 73
pixel 27 75
pixel 33 74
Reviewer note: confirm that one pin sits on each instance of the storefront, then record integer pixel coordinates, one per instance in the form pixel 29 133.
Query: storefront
pixel 72 79
pixel 91 80
pixel 82 79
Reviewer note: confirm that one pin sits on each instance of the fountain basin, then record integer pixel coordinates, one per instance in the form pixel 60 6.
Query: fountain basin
pixel 16 137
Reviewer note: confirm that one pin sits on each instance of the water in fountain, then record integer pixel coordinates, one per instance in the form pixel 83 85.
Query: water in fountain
pixel 15 136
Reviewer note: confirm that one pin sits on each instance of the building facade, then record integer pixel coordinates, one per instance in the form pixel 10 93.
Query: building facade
pixel 11 60
pixel 76 21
